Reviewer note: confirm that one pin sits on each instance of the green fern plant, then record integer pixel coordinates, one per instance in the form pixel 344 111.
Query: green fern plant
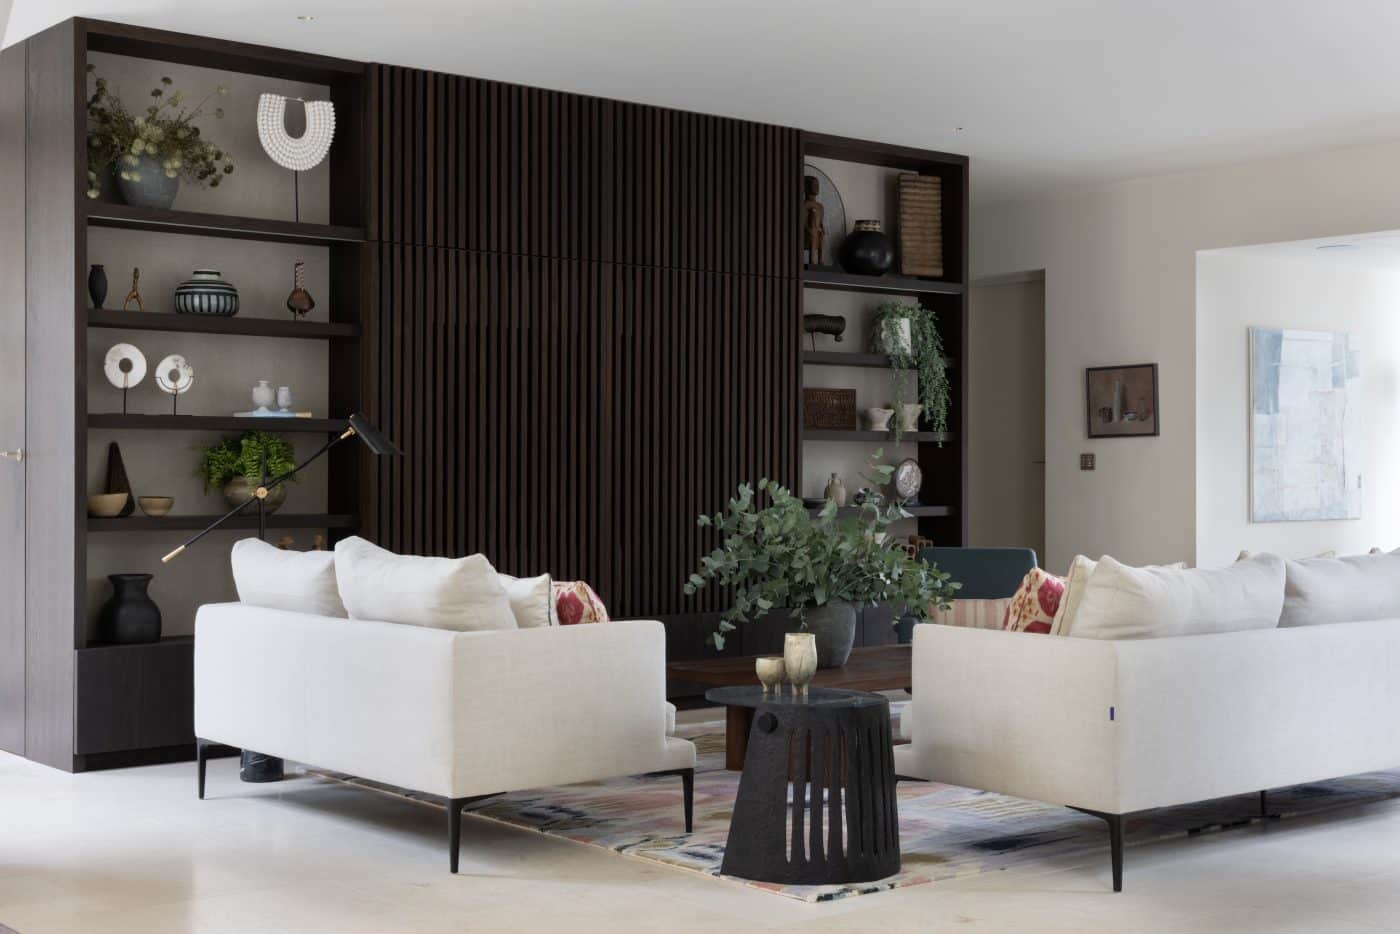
pixel 243 457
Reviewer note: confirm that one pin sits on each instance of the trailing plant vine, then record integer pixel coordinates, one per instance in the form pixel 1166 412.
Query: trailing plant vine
pixel 920 361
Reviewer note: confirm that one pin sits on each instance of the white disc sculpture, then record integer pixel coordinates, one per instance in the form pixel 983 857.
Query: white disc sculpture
pixel 296 153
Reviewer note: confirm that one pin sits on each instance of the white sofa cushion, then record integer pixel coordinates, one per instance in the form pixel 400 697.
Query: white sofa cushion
pixel 1342 590
pixel 299 581
pixel 531 600
pixel 463 594
pixel 1122 602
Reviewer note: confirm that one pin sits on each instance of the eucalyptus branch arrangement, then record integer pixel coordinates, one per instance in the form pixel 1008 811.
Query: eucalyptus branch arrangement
pixel 780 555
pixel 164 131
pixel 920 359
pixel 243 457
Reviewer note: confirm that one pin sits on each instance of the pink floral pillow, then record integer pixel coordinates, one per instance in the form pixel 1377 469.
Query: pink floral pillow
pixel 575 602
pixel 1036 601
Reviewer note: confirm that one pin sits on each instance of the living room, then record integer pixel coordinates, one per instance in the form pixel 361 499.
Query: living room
pixel 760 466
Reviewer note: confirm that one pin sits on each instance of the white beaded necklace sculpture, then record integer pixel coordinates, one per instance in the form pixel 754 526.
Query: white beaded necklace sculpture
pixel 296 153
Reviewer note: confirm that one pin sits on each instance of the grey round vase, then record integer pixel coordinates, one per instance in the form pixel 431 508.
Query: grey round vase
pixel 151 187
pixel 834 625
pixel 239 490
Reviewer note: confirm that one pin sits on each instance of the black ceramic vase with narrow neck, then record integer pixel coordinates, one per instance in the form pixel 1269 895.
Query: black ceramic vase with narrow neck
pixel 130 616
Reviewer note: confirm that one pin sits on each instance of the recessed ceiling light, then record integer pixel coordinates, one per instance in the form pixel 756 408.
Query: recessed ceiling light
pixel 307 19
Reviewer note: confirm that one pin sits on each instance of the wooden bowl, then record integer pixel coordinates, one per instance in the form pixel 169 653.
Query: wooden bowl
pixel 155 506
pixel 107 505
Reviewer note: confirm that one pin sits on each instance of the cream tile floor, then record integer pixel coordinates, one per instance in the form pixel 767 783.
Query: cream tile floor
pixel 133 850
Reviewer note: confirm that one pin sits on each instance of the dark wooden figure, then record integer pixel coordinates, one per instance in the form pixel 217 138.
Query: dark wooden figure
pixel 813 228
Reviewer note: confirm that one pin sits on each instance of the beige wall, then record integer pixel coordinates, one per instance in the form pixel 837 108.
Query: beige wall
pixel 1248 287
pixel 1120 287
pixel 1006 403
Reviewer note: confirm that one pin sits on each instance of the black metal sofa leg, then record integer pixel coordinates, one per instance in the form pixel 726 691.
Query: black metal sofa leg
pixel 688 789
pixel 454 830
pixel 1115 845
pixel 201 754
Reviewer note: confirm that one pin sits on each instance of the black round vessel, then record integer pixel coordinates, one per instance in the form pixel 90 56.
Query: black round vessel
pixel 130 616
pixel 867 251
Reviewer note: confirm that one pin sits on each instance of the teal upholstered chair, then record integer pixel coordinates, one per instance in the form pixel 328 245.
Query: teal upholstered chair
pixel 985 574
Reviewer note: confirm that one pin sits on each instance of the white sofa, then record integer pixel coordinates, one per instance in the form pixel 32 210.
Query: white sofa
pixel 1112 727
pixel 463 715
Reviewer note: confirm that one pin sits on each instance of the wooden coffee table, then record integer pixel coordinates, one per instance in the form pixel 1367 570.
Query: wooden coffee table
pixel 875 668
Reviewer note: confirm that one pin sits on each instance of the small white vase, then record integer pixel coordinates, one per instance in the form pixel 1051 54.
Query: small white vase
pixel 800 659
pixel 909 416
pixel 284 398
pixel 836 490
pixel 264 396
pixel 878 419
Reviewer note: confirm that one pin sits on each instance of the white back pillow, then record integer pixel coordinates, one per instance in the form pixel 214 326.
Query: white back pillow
pixel 297 581
pixel 1342 590
pixel 531 600
pixel 1122 602
pixel 464 594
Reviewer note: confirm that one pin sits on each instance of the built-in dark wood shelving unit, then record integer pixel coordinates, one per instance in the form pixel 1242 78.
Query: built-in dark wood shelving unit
pixel 900 285
pixel 127 217
pixel 277 520
pixel 916 511
pixel 839 358
pixel 936 437
pixel 213 324
pixel 214 423
pixel 69 702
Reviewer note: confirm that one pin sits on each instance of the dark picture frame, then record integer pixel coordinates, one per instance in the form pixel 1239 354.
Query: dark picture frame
pixel 1122 401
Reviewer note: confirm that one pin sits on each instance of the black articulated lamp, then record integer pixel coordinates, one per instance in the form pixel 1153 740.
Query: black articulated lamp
pixel 254 766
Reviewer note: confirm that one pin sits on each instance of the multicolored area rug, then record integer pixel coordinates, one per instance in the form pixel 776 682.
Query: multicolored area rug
pixel 946 832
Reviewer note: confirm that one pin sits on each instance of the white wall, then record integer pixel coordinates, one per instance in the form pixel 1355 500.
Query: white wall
pixel 1120 287
pixel 1237 289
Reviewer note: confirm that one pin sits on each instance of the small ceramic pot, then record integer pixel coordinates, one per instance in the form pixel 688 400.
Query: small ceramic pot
pixel 878 419
pixel 206 293
pixel 771 672
pixel 107 505
pixel 800 659
pixel 239 491
pixel 836 490
pixel 909 416
pixel 284 398
pixel 895 337
pixel 264 396
pixel 155 506
pixel 146 185
pixel 868 251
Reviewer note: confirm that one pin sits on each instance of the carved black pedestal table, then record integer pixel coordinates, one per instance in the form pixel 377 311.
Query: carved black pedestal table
pixel 816 801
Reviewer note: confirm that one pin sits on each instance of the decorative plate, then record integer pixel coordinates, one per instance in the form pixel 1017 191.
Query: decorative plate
pixel 124 365
pixel 174 375
pixel 908 479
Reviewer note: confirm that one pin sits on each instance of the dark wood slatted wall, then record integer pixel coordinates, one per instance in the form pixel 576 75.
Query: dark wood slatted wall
pixel 584 329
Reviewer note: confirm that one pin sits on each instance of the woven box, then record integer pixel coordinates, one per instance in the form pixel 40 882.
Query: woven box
pixel 920 225
pixel 829 409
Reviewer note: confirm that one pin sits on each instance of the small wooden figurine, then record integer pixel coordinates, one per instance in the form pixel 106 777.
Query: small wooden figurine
pixel 300 302
pixel 813 227
pixel 135 294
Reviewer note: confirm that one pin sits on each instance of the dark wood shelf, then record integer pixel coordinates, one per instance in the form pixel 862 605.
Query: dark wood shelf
pixel 869 152
pixel 211 324
pixel 127 217
pixel 811 434
pixel 918 512
pixel 278 520
pixel 214 423
pixel 839 358
pixel 845 282
pixel 133 647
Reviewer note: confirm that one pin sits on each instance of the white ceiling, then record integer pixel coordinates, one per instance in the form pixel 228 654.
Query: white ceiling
pixel 1378 251
pixel 1047 93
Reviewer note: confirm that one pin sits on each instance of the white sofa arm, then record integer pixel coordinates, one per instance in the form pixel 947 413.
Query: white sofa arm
pixel 561 704
pixel 1023 714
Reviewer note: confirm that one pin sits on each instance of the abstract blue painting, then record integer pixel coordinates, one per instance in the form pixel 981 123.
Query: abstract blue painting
pixel 1305 426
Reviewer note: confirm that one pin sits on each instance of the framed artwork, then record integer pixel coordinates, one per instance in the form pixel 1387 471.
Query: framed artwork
pixel 1122 401
pixel 1304 425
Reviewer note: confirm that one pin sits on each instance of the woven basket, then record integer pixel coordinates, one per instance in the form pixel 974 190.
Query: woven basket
pixel 829 409
pixel 920 225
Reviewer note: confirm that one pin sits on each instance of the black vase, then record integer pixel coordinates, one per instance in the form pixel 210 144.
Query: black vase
pixel 867 251
pixel 130 617
pixel 97 285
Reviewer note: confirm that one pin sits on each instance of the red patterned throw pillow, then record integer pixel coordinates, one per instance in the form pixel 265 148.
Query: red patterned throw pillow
pixel 1036 602
pixel 575 603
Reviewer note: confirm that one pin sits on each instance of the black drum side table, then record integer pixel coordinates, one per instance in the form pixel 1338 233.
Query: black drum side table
pixel 823 767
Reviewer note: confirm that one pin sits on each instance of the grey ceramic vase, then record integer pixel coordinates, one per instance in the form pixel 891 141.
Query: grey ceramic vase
pixel 239 490
pixel 151 188
pixel 834 625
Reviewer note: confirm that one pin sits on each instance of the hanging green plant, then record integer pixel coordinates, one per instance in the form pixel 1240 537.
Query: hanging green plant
pixel 919 370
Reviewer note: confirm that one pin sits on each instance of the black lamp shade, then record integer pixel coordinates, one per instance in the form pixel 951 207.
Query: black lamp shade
pixel 373 438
